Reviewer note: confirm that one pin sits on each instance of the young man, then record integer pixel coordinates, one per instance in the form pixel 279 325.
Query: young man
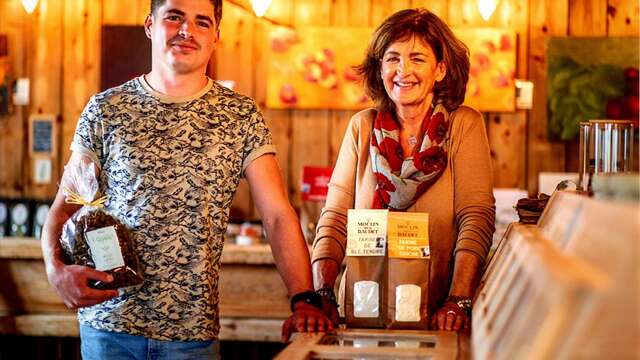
pixel 170 148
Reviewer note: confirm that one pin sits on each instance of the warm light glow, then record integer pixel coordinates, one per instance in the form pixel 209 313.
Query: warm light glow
pixel 487 7
pixel 29 5
pixel 260 7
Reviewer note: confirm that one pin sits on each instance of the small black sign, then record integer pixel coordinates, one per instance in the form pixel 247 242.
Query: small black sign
pixel 42 135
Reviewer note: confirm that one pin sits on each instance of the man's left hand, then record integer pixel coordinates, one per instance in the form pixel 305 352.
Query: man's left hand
pixel 305 318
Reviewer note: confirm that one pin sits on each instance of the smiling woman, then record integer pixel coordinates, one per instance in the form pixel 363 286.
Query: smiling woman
pixel 419 150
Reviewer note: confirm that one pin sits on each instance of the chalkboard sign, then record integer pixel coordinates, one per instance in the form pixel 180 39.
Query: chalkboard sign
pixel 42 135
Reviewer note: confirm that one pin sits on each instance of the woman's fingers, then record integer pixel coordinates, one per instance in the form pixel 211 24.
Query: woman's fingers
pixel 450 319
pixel 460 321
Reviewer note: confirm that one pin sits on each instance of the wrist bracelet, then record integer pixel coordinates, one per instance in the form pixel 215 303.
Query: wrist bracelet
pixel 310 297
pixel 463 303
pixel 328 294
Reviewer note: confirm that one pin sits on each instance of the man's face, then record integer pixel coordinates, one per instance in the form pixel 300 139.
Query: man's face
pixel 183 35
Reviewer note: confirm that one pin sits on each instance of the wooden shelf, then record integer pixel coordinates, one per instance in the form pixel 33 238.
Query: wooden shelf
pixel 66 325
pixel 20 248
pixel 29 248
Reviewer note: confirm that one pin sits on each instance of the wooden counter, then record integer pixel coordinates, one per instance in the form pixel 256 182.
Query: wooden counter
pixel 377 344
pixel 253 301
pixel 566 288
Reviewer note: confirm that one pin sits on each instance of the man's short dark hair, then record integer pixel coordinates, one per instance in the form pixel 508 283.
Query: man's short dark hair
pixel 217 8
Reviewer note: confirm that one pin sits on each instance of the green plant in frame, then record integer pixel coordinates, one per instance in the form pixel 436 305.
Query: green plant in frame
pixel 586 80
pixel 578 93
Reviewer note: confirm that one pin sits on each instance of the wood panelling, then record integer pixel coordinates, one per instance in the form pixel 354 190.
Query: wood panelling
pixel 309 128
pixel 58 47
pixel 12 127
pixel 130 12
pixel 234 61
pixel 350 13
pixel 588 17
pixel 81 62
pixel 380 10
pixel 438 7
pixel 547 18
pixel 46 94
pixel 623 17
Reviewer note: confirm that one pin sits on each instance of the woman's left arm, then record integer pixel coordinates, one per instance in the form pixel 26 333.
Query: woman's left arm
pixel 475 216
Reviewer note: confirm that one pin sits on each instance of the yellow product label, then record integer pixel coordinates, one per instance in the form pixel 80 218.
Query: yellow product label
pixel 408 235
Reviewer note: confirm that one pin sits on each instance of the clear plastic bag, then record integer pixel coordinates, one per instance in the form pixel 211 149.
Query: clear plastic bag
pixel 94 238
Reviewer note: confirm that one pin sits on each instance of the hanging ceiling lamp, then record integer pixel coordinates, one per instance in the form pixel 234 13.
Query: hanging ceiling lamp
pixel 29 5
pixel 487 7
pixel 260 7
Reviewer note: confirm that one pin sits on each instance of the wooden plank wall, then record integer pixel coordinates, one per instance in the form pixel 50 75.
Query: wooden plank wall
pixel 58 47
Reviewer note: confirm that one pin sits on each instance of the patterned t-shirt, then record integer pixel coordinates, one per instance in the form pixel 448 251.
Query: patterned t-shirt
pixel 170 168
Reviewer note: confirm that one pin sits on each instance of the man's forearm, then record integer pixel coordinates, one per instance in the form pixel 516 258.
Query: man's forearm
pixel 290 252
pixel 51 231
pixel 51 249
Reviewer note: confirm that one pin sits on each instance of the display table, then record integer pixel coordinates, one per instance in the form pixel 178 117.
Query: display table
pixel 253 301
pixel 376 344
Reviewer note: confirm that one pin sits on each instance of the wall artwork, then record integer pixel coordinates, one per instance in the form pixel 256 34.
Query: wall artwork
pixel 312 68
pixel 590 78
pixel 492 68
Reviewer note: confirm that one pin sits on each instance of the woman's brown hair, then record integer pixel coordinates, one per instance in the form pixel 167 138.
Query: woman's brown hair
pixel 427 26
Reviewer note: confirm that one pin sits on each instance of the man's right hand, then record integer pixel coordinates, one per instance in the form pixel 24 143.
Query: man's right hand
pixel 330 309
pixel 71 282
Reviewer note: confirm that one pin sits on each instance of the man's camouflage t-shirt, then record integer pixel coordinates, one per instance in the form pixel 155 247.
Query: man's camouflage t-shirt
pixel 169 168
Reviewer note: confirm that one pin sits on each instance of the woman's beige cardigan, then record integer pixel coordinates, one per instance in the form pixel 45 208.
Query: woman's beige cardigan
pixel 460 204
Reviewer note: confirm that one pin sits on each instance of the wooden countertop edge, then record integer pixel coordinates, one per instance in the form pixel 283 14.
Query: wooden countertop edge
pixel 66 325
pixel 29 248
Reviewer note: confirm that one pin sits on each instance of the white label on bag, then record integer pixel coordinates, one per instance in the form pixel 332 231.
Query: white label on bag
pixel 366 232
pixel 105 248
pixel 407 302
pixel 365 299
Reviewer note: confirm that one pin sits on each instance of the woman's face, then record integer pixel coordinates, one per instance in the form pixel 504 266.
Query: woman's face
pixel 409 71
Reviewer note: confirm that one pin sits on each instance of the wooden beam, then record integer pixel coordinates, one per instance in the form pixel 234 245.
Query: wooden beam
pixel 547 18
pixel 623 18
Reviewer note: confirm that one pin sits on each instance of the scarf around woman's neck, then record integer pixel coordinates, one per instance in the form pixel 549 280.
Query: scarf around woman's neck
pixel 400 182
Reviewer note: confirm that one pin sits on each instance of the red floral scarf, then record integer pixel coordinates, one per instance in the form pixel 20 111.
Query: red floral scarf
pixel 400 181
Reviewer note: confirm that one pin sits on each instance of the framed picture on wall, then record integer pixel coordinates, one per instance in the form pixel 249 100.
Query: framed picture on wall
pixel 42 135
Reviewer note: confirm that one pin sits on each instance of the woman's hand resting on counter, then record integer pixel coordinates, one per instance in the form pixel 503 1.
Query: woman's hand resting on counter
pixel 450 317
